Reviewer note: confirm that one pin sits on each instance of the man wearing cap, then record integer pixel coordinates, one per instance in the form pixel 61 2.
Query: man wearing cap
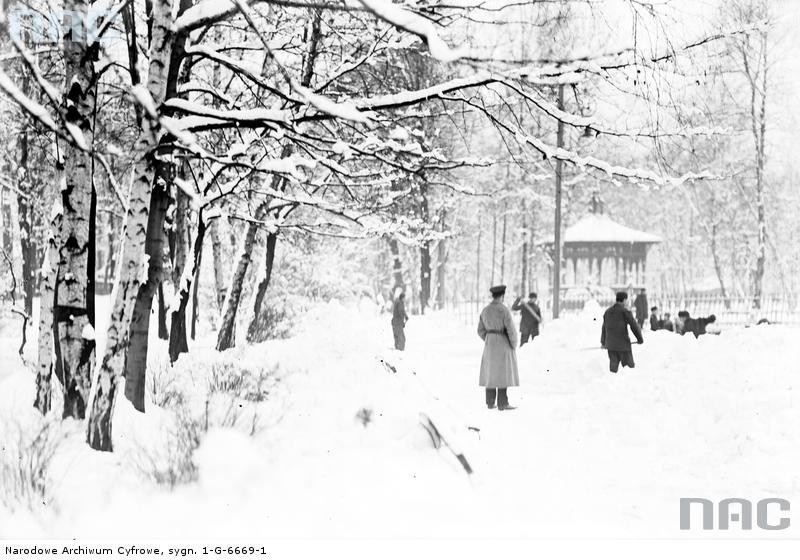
pixel 614 336
pixel 531 317
pixel 499 361
pixel 399 319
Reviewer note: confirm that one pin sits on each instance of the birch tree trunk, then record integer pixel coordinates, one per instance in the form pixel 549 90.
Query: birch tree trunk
pixel 256 330
pixel 758 117
pixel 178 343
pixel 225 338
pixel 133 265
pixel 47 362
pixel 441 265
pixel 219 264
pixel 28 246
pixel 397 266
pixel 177 340
pixel 155 247
pixel 74 290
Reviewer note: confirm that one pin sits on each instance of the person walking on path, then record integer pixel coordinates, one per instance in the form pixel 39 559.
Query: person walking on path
pixel 399 319
pixel 499 362
pixel 614 336
pixel 530 319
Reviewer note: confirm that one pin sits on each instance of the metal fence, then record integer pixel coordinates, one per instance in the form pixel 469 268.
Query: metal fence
pixel 731 311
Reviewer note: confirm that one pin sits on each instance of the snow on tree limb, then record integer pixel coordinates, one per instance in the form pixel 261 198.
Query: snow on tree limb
pixel 34 109
pixel 243 115
pixel 413 23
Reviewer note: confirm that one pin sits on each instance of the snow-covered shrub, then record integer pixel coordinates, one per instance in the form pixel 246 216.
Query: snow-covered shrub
pixel 232 391
pixel 25 456
pixel 231 377
pixel 279 315
pixel 172 463
pixel 163 386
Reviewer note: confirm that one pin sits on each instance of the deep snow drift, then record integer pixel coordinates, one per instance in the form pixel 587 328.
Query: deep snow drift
pixel 340 452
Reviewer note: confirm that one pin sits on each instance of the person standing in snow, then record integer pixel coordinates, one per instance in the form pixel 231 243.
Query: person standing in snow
pixel 614 336
pixel 399 319
pixel 640 305
pixel 499 362
pixel 530 319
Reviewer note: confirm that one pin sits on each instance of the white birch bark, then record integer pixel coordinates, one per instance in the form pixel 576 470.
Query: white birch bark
pixel 133 264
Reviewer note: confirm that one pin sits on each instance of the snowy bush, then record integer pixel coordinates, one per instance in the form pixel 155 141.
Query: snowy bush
pixel 172 462
pixel 249 383
pixel 25 456
pixel 232 390
pixel 163 386
pixel 276 321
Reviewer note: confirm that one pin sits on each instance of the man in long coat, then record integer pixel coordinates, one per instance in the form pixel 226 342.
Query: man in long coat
pixel 499 362
pixel 614 336
pixel 640 305
pixel 399 319
pixel 530 319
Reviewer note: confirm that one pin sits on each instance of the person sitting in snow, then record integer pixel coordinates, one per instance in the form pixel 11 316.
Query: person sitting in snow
pixel 667 324
pixel 399 320
pixel 499 361
pixel 699 325
pixel 614 335
pixel 530 319
pixel 655 322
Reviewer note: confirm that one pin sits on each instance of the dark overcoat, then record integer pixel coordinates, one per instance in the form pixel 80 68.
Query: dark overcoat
pixel 640 305
pixel 399 316
pixel 528 321
pixel 616 321
pixel 499 362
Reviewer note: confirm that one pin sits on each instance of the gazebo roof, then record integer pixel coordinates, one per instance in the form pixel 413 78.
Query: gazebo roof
pixel 594 228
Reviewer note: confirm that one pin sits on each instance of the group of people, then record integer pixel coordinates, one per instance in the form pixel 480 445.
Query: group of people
pixel 684 324
pixel 497 329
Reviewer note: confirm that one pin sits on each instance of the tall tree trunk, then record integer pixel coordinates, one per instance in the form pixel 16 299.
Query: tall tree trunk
pixel 494 241
pixel 27 236
pixel 397 266
pixel 225 338
pixel 163 329
pixel 257 328
pixel 132 271
pixel 478 290
pixel 47 362
pixel 503 242
pixel 74 304
pixel 759 124
pixel 441 265
pixel 155 247
pixel 718 266
pixel 219 263
pixel 195 298
pixel 524 266
pixel 177 340
pixel 424 275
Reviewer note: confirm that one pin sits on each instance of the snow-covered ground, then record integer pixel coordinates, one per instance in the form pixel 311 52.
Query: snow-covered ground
pixel 341 451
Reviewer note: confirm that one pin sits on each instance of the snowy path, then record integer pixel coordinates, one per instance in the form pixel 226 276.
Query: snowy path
pixel 585 453
pixel 613 454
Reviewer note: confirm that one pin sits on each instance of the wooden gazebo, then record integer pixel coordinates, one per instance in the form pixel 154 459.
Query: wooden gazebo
pixel 601 252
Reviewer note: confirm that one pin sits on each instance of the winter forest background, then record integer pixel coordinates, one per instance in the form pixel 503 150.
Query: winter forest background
pixel 184 180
